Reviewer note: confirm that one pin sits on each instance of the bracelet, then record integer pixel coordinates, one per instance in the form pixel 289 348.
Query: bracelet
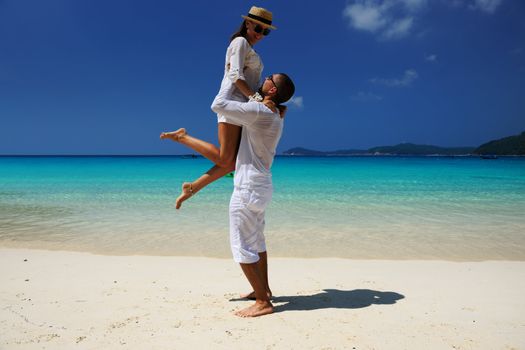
pixel 256 97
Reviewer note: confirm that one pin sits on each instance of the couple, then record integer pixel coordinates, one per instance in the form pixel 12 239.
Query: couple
pixel 250 124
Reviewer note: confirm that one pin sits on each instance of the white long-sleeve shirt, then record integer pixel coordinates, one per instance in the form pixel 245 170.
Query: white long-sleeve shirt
pixel 241 62
pixel 261 132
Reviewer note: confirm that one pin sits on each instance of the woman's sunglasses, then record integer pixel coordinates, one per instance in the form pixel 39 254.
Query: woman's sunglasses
pixel 259 29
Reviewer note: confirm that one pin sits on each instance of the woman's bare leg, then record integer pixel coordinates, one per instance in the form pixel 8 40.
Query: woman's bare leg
pixel 223 157
pixel 229 137
pixel 190 188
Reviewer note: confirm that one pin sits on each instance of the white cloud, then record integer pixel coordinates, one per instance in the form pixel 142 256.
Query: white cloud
pixel 296 102
pixel 389 19
pixel 366 96
pixel 395 19
pixel 398 29
pixel 488 6
pixel 431 58
pixel 368 17
pixel 407 79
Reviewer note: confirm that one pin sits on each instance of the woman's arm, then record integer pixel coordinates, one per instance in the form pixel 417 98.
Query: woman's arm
pixel 244 88
pixel 240 48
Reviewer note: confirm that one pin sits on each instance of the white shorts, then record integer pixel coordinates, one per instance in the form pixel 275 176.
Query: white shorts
pixel 247 209
pixel 225 119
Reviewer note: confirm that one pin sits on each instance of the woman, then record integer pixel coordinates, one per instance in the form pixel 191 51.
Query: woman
pixel 242 75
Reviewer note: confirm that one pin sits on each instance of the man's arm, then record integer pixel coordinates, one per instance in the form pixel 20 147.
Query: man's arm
pixel 243 113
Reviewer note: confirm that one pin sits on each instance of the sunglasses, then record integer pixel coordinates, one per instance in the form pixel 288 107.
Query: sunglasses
pixel 270 77
pixel 259 29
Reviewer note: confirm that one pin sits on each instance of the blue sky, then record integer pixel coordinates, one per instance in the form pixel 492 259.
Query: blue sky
pixel 106 77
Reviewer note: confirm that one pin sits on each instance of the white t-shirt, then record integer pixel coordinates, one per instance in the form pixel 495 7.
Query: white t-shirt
pixel 261 132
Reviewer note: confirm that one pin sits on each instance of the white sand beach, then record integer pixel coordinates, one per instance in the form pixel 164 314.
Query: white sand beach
pixel 72 300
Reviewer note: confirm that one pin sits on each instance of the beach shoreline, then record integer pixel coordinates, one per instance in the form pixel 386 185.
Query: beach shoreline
pixel 62 299
pixel 434 251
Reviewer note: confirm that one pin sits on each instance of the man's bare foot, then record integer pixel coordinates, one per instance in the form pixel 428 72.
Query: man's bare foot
pixel 258 309
pixel 174 135
pixel 251 296
pixel 187 192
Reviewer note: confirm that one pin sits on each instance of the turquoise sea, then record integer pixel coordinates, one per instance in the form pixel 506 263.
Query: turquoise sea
pixel 454 208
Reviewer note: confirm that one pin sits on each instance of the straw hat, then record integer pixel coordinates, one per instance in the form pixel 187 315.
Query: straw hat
pixel 260 16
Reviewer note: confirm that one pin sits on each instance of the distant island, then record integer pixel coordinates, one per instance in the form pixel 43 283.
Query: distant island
pixel 400 149
pixel 512 145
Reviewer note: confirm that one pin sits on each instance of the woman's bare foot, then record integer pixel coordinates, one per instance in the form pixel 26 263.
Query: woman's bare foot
pixel 258 309
pixel 187 192
pixel 174 135
pixel 251 296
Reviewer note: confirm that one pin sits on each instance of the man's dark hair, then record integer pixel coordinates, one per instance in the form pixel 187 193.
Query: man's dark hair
pixel 285 88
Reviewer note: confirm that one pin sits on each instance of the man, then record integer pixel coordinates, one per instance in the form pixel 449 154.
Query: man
pixel 262 126
pixel 261 130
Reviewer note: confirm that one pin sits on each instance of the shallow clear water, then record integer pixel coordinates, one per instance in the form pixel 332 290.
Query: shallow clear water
pixel 353 207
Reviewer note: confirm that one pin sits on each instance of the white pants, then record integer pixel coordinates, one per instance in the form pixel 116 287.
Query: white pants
pixel 247 209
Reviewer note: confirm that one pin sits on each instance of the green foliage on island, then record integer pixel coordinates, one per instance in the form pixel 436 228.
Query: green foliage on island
pixel 512 145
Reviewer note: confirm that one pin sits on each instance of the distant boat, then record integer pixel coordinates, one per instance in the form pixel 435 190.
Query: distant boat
pixel 187 156
pixel 488 156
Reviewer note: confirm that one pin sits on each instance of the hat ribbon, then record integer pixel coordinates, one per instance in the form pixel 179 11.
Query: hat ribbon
pixel 261 19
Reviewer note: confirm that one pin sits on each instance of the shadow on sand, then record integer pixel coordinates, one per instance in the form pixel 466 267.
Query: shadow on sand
pixel 335 299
